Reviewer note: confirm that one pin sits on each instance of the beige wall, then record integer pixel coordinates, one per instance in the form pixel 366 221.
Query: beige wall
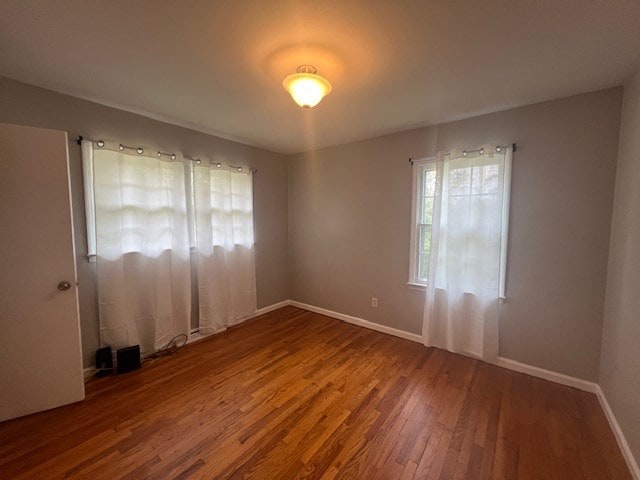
pixel 349 209
pixel 349 226
pixel 620 361
pixel 27 105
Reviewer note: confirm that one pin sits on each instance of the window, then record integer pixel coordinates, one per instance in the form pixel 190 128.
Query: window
pixel 223 207
pixel 424 184
pixel 467 248
pixel 134 203
pixel 170 237
pixel 140 200
pixel 474 202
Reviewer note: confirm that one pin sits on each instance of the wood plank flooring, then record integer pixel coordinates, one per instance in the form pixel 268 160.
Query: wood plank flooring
pixel 296 395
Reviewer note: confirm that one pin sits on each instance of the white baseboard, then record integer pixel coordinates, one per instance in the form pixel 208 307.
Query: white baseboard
pixel 555 377
pixel 197 336
pixel 88 373
pixel 269 308
pixel 632 463
pixel 358 321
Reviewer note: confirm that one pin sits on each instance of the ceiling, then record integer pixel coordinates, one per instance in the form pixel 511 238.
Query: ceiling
pixel 218 66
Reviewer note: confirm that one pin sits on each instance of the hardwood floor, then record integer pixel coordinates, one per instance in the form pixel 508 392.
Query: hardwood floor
pixel 294 395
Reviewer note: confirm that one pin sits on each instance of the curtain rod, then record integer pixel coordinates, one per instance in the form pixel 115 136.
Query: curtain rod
pixel 480 150
pixel 140 151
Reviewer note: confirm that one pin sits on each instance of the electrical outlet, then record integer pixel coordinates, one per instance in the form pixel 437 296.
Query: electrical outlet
pixel 374 302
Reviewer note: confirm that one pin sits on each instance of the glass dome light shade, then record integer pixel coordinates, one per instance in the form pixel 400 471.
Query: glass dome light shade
pixel 306 89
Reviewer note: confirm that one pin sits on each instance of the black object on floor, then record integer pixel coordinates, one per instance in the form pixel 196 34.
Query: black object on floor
pixel 128 359
pixel 104 362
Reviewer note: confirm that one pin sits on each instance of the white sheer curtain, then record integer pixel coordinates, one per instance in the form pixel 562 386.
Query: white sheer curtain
pixel 223 208
pixel 142 247
pixel 468 252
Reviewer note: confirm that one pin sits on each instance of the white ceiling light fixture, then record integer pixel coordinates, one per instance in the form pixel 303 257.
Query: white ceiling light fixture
pixel 306 87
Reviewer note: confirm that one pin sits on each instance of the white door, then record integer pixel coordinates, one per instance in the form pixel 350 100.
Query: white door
pixel 40 350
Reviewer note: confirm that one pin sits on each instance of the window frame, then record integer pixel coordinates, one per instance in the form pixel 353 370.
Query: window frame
pixel 89 199
pixel 417 188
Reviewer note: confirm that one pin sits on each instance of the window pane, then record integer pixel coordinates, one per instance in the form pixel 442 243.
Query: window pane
pixel 423 268
pixel 425 239
pixel 424 216
pixel 427 210
pixel 424 247
pixel 429 182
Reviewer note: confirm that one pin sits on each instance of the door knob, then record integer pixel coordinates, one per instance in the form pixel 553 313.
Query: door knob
pixel 64 285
